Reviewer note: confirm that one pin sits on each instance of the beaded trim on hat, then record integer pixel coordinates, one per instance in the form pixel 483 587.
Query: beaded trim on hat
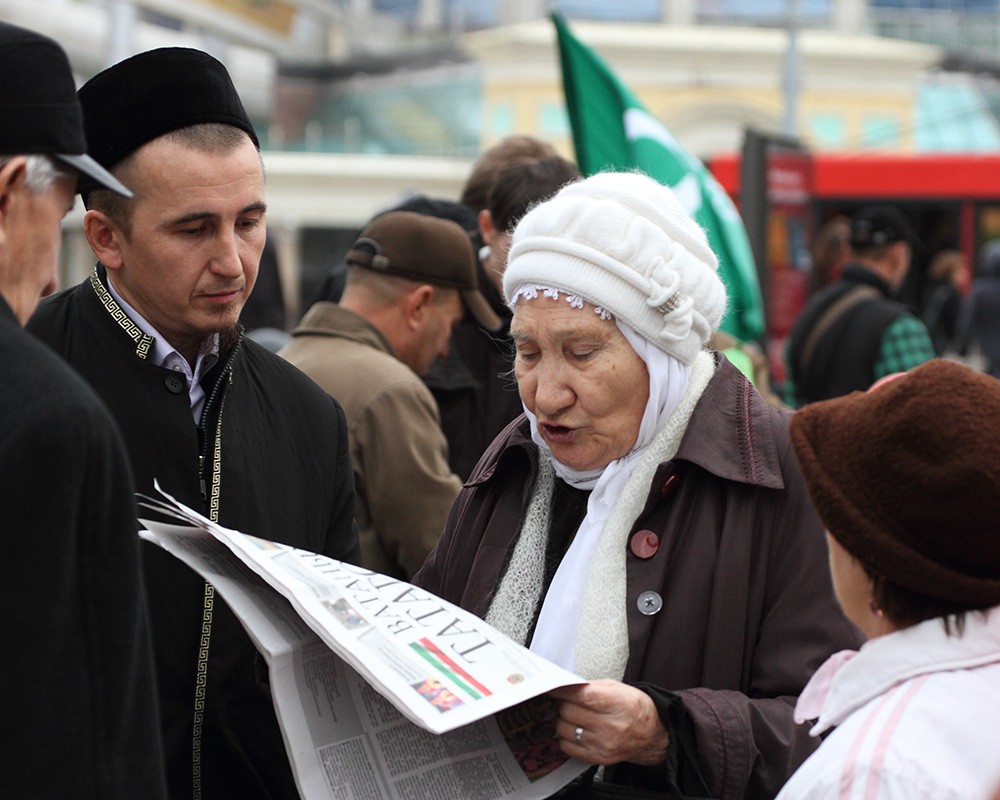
pixel 531 291
pixel 670 305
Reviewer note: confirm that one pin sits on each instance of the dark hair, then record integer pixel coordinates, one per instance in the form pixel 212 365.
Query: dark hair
pixel 905 608
pixel 480 181
pixel 522 184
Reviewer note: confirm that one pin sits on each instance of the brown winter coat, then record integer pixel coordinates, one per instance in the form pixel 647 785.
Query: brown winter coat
pixel 748 611
pixel 400 457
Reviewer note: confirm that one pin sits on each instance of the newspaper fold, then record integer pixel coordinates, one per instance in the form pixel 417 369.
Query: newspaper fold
pixel 382 689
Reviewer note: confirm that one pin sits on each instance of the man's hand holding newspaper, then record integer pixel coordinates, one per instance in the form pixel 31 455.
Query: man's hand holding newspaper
pixel 382 689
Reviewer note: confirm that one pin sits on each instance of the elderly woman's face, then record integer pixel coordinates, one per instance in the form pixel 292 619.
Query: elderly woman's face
pixel 581 378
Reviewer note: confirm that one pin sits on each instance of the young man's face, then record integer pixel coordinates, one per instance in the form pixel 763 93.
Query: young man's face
pixel 197 233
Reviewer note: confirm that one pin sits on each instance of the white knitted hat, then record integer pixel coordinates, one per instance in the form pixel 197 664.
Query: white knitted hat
pixel 622 241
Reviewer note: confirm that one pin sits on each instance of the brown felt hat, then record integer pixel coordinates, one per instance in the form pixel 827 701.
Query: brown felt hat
pixel 906 477
pixel 426 249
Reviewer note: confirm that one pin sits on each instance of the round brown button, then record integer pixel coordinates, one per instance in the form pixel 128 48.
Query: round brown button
pixel 644 544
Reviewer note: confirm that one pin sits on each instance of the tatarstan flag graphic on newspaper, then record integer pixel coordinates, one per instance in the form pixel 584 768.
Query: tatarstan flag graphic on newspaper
pixel 613 130
pixel 427 650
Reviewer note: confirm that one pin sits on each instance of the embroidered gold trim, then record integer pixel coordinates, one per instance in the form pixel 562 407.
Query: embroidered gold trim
pixel 208 606
pixel 216 491
pixel 201 682
pixel 143 341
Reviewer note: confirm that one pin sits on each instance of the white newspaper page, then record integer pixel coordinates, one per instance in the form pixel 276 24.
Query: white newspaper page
pixel 345 732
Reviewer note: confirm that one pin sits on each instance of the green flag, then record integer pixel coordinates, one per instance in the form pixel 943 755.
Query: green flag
pixel 613 131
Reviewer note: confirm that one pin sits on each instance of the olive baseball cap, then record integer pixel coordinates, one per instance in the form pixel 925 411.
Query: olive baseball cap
pixel 428 249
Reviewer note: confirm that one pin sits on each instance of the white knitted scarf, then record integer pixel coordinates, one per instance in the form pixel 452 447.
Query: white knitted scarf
pixel 582 624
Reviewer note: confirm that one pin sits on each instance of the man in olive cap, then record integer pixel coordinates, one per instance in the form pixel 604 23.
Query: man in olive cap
pixel 411 278
pixel 223 424
pixel 78 670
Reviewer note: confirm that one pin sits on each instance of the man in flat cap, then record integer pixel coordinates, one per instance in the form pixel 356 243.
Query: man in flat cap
pixel 78 670
pixel 224 425
pixel 856 331
pixel 411 278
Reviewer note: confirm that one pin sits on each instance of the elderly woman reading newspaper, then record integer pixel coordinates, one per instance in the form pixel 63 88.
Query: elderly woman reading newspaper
pixel 644 524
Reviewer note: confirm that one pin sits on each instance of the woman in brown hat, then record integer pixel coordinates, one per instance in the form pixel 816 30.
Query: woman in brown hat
pixel 906 478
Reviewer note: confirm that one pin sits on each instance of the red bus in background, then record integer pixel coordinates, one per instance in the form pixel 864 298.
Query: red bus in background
pixel 952 200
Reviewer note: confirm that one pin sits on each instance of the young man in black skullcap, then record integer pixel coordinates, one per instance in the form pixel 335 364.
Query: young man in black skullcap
pixel 78 672
pixel 224 425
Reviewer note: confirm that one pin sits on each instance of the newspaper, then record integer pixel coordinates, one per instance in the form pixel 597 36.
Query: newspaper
pixel 382 689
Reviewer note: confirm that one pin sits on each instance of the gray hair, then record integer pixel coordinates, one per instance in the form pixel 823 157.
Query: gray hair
pixel 41 171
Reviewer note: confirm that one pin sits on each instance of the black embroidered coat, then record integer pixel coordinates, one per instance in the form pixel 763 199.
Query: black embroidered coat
pixel 269 458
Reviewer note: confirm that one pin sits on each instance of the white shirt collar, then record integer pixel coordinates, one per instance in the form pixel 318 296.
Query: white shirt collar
pixel 165 355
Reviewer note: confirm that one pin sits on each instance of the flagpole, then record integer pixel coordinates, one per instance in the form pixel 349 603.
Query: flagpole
pixel 122 17
pixel 792 70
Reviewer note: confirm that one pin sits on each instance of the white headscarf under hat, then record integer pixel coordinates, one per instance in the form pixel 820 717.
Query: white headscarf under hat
pixel 581 624
pixel 623 243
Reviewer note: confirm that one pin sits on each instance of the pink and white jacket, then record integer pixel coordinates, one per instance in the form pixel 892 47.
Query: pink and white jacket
pixel 915 714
